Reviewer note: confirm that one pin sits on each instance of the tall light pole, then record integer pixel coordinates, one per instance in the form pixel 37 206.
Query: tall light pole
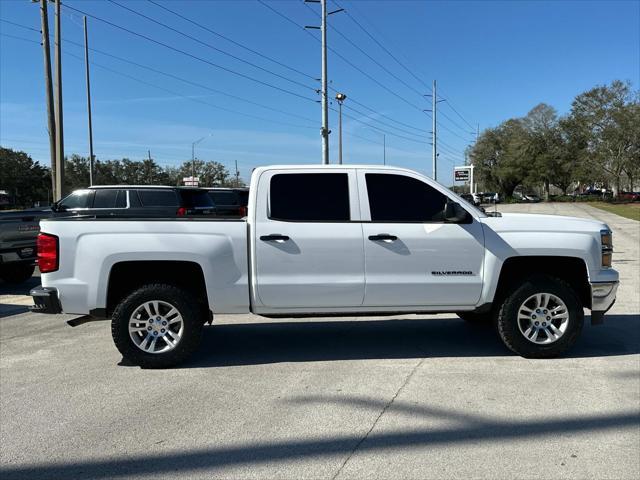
pixel 384 149
pixel 48 85
pixel 340 97
pixel 86 64
pixel 58 107
pixel 193 155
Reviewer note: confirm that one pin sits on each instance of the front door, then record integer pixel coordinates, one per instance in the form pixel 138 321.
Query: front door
pixel 413 257
pixel 308 251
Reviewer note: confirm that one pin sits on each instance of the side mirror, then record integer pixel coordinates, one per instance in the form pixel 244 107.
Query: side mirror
pixel 454 213
pixel 58 207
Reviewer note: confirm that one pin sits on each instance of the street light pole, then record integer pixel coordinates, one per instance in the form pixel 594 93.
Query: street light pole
pixel 384 149
pixel 340 97
pixel 193 155
pixel 86 61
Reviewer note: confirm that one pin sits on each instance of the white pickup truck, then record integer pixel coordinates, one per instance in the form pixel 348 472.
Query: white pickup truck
pixel 326 241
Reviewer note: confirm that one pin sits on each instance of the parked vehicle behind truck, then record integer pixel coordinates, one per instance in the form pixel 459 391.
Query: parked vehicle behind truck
pixel 18 233
pixel 331 240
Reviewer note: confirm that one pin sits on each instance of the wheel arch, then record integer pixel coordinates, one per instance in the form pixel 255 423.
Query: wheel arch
pixel 126 276
pixel 572 270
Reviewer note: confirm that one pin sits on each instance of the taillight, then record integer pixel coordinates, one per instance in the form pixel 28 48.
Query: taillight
pixel 181 212
pixel 47 247
pixel 243 211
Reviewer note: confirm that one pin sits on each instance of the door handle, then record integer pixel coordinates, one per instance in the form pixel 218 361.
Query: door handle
pixel 383 237
pixel 274 237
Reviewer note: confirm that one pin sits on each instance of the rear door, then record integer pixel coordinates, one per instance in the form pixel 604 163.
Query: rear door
pixel 412 256
pixel 308 239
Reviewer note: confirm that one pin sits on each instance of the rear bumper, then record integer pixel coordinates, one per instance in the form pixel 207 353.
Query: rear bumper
pixel 603 296
pixel 45 300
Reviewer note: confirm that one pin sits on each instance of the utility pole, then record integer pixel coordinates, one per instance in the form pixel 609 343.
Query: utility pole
pixel 434 146
pixel 86 64
pixel 58 107
pixel 340 97
pixel 325 99
pixel 237 175
pixel 48 85
pixel 324 131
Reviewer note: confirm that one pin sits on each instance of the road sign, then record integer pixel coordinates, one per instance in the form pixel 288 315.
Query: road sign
pixel 461 175
pixel 191 181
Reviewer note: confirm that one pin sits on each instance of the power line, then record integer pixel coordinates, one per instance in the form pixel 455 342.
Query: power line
pixel 19 25
pixel 459 114
pixel 262 55
pixel 219 50
pixel 195 57
pixel 351 99
pixel 173 92
pixel 350 107
pixel 176 77
pixel 428 87
pixel 376 81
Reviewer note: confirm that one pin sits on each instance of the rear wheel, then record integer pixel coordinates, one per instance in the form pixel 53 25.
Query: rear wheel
pixel 541 319
pixel 16 273
pixel 157 326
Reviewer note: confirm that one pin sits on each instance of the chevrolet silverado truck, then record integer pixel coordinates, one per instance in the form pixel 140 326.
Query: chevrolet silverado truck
pixel 329 241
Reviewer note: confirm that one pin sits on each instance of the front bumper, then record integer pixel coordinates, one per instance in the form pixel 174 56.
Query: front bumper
pixel 45 300
pixel 603 296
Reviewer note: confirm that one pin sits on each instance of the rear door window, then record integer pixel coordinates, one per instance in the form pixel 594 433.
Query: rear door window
pixel 110 198
pixel 195 199
pixel 310 197
pixel 158 198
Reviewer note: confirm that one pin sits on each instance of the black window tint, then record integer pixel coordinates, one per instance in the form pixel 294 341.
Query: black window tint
pixel 158 198
pixel 78 199
pixel 121 199
pixel 396 198
pixel 225 198
pixel 134 200
pixel 198 198
pixel 310 197
pixel 243 197
pixel 106 198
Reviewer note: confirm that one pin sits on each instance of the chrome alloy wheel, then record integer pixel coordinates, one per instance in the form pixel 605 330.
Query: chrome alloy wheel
pixel 543 318
pixel 156 327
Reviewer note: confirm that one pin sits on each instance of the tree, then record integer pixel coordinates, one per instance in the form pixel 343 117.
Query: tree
pixel 605 116
pixel 26 181
pixel 210 173
pixel 499 157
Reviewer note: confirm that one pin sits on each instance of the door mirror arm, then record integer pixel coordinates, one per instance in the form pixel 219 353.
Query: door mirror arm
pixel 454 213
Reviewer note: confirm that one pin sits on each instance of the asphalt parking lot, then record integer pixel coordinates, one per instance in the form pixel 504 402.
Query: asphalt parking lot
pixel 408 397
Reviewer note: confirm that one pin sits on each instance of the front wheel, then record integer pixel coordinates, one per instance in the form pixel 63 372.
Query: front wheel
pixel 541 319
pixel 157 326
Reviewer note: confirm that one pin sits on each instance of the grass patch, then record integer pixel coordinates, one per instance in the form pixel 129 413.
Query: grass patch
pixel 627 210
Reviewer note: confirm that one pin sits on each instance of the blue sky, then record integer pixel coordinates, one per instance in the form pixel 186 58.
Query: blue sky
pixel 492 60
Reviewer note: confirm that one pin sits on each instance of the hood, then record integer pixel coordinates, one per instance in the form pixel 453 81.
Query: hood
pixel 531 222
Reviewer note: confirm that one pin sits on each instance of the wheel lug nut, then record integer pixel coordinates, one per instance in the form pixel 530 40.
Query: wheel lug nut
pixel 164 323
pixel 151 320
pixel 149 328
pixel 155 333
pixel 537 323
pixel 548 318
pixel 544 312
pixel 533 316
pixel 544 324
pixel 162 330
pixel 157 318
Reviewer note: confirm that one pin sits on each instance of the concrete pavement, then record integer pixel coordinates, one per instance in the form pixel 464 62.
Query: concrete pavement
pixel 409 397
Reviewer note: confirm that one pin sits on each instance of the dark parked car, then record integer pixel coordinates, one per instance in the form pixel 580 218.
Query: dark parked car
pixel 629 196
pixel 18 233
pixel 230 202
pixel 470 198
pixel 136 201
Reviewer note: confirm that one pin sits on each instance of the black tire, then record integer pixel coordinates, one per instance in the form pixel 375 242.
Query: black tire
pixel 507 319
pixel 187 306
pixel 480 319
pixel 16 273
